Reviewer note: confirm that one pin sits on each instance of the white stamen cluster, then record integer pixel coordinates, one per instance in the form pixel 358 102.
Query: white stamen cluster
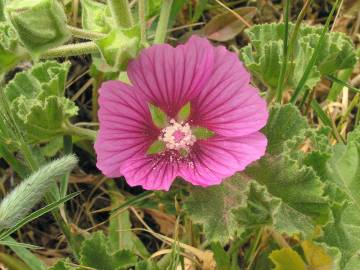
pixel 167 136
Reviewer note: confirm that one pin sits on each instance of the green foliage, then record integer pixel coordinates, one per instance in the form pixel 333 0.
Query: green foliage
pixel 343 172
pixel 37 101
pixel 95 253
pixel 213 207
pixel 263 56
pixel 49 18
pixel 95 16
pixel 276 197
pixel 117 48
pixel 10 50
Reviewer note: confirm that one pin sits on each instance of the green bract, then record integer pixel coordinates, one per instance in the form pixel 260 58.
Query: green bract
pixel 37 101
pixel 40 24
pixel 10 50
pixel 263 56
pixel 117 48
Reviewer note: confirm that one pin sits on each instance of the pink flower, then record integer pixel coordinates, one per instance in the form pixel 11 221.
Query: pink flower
pixel 217 137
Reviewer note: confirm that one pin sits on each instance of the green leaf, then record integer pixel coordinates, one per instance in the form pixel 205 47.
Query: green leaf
pixel 158 116
pixel 37 101
pixel 117 48
pixel 2 15
pixel 202 133
pixel 263 56
pixel 95 253
pixel 343 171
pixel 213 207
pixel 40 24
pixel 286 259
pixel 184 112
pixel 94 16
pixel 64 264
pixel 156 147
pixel 11 52
pixel 261 209
pixel 284 123
pixel 222 259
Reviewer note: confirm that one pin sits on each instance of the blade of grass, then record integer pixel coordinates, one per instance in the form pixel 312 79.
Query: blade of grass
pixel 162 27
pixel 133 201
pixel 27 257
pixel 17 244
pixel 314 56
pixel 341 82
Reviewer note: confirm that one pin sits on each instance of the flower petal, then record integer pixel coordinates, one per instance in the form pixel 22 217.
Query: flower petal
pixel 228 104
pixel 217 158
pixel 125 127
pixel 169 77
pixel 151 172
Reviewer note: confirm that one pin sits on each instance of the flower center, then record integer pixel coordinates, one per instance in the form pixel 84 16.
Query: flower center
pixel 177 136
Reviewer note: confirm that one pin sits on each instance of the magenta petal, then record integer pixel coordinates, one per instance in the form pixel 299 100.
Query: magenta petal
pixel 169 77
pixel 125 127
pixel 150 172
pixel 221 157
pixel 228 104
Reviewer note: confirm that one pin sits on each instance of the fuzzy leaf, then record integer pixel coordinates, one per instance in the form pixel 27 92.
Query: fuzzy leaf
pixel 40 24
pixel 317 257
pixel 261 209
pixel 36 97
pixel 263 56
pixel 344 175
pixel 62 265
pixel 95 253
pixel 94 16
pixel 118 47
pixel 286 259
pixel 213 207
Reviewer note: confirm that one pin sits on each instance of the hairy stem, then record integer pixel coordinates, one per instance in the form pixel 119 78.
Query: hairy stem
pixel 81 33
pixel 121 13
pixel 142 18
pixel 162 26
pixel 71 50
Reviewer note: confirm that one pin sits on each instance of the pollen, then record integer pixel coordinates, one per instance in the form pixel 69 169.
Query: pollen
pixel 177 136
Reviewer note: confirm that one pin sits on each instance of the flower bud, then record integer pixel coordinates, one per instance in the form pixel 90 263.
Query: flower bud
pixel 40 24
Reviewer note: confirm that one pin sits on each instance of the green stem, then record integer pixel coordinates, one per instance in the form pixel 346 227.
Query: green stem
pixel 71 50
pixel 281 83
pixel 162 26
pixel 82 132
pixel 142 18
pixel 121 13
pixel 81 33
pixel 17 166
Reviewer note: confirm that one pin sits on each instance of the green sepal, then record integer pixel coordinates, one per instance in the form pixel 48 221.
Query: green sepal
pixel 156 147
pixel 158 116
pixel 40 24
pixel 95 16
pixel 117 48
pixel 184 112
pixel 202 133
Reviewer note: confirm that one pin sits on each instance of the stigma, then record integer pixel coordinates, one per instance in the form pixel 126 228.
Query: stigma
pixel 177 136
